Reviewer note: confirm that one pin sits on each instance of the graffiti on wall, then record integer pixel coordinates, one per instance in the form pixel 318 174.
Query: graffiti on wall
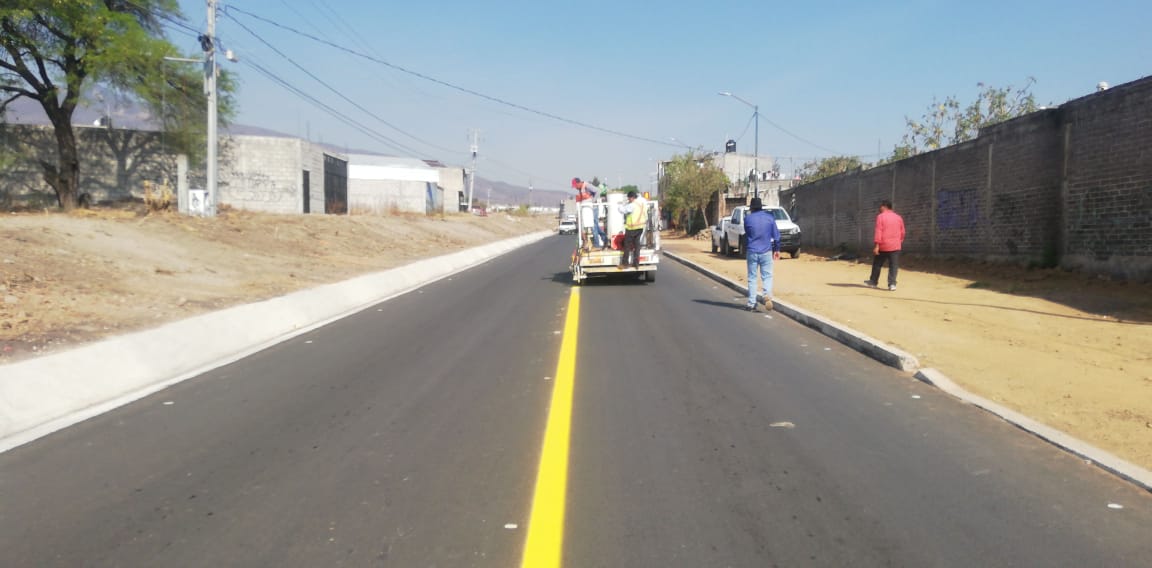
pixel 957 209
pixel 257 187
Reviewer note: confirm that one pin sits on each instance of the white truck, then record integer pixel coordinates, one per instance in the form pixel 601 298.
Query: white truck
pixel 587 259
pixel 728 235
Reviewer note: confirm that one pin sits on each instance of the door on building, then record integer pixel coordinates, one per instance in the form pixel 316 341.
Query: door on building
pixel 307 192
pixel 335 185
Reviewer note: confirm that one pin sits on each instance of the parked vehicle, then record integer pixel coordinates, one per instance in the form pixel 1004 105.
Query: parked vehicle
pixel 718 231
pixel 733 240
pixel 568 227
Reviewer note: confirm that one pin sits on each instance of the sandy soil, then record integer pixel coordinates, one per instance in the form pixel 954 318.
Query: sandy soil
pixel 68 279
pixel 1070 351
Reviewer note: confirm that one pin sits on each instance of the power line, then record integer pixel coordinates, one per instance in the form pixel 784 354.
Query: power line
pixel 341 95
pixel 798 137
pixel 498 100
pixel 335 113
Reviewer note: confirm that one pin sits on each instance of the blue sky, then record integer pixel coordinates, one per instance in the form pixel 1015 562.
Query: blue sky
pixel 829 77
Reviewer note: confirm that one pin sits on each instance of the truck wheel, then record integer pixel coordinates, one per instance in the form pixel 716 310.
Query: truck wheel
pixel 713 246
pixel 794 253
pixel 724 247
pixel 743 246
pixel 650 276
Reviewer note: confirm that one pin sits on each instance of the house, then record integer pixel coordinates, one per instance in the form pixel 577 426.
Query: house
pixel 380 184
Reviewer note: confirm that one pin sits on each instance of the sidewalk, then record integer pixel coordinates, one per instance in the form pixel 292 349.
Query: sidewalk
pixel 1080 370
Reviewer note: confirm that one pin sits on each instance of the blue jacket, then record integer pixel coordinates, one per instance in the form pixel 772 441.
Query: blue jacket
pixel 763 235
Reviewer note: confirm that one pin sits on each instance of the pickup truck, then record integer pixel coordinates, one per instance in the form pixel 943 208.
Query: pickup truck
pixel 730 232
pixel 588 260
pixel 718 231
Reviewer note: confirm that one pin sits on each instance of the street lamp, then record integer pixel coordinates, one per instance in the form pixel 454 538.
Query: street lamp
pixel 756 151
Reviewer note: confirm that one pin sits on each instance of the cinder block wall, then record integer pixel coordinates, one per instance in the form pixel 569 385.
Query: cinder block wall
pixel 264 173
pixel 114 163
pixel 381 197
pixel 1108 187
pixel 1069 186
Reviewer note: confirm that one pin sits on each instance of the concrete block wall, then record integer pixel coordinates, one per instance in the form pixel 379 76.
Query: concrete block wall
pixel 312 161
pixel 265 173
pixel 381 197
pixel 451 184
pixel 114 163
pixel 1023 217
pixel 915 203
pixel 1108 191
pixel 1071 185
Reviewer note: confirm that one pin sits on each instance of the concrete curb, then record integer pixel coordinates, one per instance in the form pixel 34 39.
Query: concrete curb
pixel 896 358
pixel 42 395
pixel 1092 454
pixel 867 345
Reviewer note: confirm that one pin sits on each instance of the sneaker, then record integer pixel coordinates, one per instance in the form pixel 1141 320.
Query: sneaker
pixel 891 287
pixel 751 308
pixel 869 283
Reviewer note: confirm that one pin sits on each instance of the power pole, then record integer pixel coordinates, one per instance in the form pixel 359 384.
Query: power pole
pixel 529 196
pixel 209 45
pixel 756 151
pixel 475 147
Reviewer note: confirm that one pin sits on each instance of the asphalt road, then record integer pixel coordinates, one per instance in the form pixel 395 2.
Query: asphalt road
pixel 701 435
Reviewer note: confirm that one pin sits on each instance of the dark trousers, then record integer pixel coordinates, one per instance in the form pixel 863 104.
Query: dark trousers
pixel 631 254
pixel 893 258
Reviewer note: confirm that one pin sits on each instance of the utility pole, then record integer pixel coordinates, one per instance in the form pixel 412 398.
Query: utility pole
pixel 529 196
pixel 756 151
pixel 475 147
pixel 208 43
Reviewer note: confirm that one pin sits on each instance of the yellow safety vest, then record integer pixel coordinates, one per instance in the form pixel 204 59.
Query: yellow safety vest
pixel 638 217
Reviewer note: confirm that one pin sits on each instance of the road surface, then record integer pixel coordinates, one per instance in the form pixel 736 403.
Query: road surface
pixel 683 431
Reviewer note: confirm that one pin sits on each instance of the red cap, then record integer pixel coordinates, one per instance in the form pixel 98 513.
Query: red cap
pixel 576 183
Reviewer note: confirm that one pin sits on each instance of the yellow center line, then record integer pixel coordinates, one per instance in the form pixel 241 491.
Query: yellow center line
pixel 545 542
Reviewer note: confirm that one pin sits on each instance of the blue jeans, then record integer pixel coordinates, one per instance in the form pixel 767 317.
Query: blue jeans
pixel 599 239
pixel 763 262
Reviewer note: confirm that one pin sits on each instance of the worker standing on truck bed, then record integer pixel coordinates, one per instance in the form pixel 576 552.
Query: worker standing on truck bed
pixel 635 217
pixel 586 190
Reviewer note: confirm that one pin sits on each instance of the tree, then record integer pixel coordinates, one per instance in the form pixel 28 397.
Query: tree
pixel 818 169
pixel 627 188
pixel 51 51
pixel 950 122
pixel 688 184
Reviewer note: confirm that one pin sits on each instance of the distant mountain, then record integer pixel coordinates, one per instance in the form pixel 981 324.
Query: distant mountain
pixel 504 193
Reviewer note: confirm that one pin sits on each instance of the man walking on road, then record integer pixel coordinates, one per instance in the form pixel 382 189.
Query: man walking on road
pixel 763 248
pixel 889 240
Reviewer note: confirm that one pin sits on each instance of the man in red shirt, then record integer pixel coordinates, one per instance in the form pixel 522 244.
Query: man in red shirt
pixel 889 240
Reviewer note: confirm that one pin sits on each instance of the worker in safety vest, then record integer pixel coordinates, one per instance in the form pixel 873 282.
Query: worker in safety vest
pixel 635 218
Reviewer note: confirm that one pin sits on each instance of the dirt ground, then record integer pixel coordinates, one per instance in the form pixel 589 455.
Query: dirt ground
pixel 1071 351
pixel 70 279
pixel 1068 350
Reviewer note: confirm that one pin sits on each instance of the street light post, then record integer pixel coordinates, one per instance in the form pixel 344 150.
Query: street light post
pixel 756 150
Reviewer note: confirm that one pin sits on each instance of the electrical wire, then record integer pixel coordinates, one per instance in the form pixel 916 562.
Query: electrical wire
pixel 229 9
pixel 344 97
pixel 408 152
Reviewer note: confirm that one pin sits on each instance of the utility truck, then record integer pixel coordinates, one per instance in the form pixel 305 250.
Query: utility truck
pixel 732 240
pixel 588 259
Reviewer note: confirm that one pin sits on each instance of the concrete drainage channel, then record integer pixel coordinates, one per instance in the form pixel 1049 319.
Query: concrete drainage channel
pixel 40 396
pixel 907 362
